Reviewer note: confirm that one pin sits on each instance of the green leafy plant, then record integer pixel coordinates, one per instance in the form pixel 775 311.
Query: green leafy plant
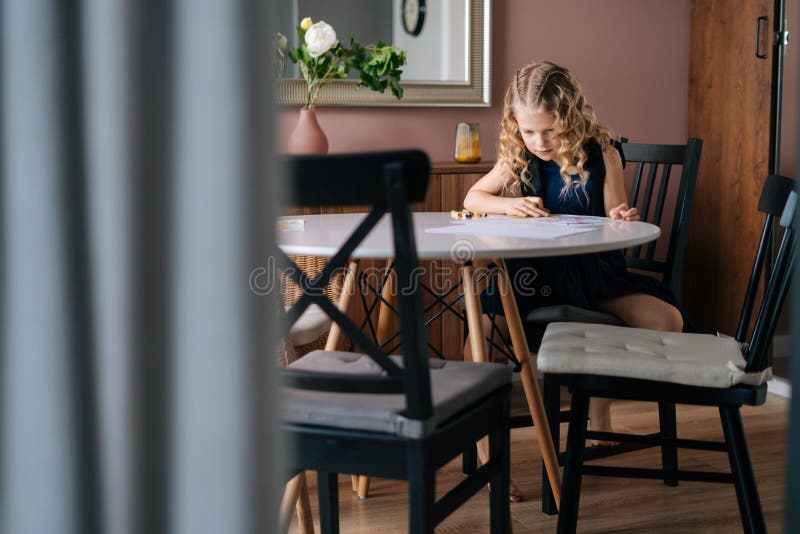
pixel 321 58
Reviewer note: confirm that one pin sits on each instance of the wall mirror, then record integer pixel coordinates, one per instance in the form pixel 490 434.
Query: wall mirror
pixel 447 47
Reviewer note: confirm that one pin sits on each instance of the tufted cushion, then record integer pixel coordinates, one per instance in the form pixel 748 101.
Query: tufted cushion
pixel 311 324
pixel 691 359
pixel 454 386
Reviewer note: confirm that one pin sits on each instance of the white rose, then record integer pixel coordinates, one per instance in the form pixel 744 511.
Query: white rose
pixel 320 37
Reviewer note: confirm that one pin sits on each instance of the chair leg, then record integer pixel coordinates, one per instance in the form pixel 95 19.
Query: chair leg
pixel 499 448
pixel 421 490
pixel 328 486
pixel 667 421
pixel 551 395
pixel 742 469
pixel 571 488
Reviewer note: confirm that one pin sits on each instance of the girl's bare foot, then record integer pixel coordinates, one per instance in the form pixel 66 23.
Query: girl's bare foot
pixel 514 493
pixel 600 420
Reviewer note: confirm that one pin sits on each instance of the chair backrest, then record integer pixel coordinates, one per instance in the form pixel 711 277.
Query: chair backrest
pixel 356 179
pixel 779 202
pixel 387 182
pixel 649 191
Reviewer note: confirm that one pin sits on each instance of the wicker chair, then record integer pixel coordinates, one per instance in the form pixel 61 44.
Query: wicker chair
pixel 310 332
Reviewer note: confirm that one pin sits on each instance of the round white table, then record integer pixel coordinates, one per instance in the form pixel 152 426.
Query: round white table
pixel 323 235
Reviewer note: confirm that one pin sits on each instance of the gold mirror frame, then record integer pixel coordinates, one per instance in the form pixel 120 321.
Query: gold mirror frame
pixel 474 93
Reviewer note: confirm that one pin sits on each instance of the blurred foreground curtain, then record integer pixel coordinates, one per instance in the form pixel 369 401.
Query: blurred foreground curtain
pixel 136 184
pixel 792 504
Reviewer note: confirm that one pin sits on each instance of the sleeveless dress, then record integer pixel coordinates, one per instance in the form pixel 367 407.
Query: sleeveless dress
pixel 578 280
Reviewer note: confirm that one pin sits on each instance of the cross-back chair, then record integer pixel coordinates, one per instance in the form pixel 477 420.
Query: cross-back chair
pixel 651 187
pixel 650 192
pixel 370 413
pixel 636 364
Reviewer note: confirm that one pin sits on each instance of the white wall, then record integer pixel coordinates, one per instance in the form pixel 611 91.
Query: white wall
pixel 438 52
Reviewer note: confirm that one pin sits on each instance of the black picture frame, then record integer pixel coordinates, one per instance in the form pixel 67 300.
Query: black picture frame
pixel 421 9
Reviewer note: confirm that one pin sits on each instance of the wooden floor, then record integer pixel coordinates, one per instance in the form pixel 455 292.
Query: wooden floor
pixel 607 504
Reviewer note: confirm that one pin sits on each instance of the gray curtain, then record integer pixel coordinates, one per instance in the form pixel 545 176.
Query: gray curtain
pixel 137 190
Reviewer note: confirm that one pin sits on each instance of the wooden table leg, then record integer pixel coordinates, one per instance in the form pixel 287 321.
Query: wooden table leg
pixel 383 332
pixel 532 393
pixel 363 487
pixel 295 496
pixel 335 334
pixel 473 305
pixel 303 509
pixel 385 315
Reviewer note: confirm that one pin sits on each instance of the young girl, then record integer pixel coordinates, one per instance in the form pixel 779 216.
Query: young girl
pixel 554 157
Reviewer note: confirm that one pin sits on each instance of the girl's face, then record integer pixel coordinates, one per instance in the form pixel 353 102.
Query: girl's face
pixel 538 134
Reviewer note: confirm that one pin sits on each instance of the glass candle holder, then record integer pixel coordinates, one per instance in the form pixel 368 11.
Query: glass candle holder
pixel 468 143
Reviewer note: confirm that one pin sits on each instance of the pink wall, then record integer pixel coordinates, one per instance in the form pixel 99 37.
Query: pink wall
pixel 632 57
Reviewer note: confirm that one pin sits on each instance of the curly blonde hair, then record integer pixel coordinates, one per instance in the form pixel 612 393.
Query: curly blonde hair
pixel 547 86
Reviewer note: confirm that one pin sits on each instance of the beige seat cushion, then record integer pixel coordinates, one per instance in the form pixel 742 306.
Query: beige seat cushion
pixel 454 386
pixel 691 359
pixel 311 324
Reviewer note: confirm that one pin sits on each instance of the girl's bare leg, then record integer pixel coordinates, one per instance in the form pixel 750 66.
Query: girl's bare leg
pixel 637 311
pixel 600 420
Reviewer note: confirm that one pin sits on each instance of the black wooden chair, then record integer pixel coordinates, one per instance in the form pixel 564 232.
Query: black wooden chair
pixel 650 191
pixel 635 364
pixel 399 417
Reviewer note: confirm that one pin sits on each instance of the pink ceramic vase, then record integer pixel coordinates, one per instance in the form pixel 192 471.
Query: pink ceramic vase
pixel 307 137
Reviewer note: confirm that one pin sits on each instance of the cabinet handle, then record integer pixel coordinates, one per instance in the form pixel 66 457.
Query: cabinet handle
pixel 758 36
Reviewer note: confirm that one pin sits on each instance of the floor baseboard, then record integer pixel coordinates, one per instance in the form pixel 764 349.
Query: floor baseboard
pixel 780 386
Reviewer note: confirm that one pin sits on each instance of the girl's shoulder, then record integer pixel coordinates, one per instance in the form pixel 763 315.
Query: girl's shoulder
pixel 595 152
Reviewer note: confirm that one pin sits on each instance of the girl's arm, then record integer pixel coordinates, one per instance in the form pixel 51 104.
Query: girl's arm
pixel 614 196
pixel 485 197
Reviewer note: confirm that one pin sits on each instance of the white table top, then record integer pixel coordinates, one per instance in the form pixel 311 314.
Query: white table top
pixel 324 234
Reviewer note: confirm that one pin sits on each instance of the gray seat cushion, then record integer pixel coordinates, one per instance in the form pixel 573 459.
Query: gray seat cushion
pixel 691 359
pixel 454 386
pixel 311 324
pixel 570 314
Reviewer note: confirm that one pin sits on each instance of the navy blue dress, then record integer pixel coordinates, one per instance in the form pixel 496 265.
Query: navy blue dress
pixel 579 280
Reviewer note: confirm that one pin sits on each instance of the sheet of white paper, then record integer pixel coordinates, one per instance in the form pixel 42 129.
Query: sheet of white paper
pixel 560 219
pixel 529 228
pixel 576 220
pixel 291 225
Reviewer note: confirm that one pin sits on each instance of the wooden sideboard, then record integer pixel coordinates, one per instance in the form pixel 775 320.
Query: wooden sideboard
pixel 448 187
pixel 449 183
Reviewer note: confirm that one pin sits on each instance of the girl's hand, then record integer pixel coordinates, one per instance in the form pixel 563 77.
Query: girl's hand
pixel 624 212
pixel 526 207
